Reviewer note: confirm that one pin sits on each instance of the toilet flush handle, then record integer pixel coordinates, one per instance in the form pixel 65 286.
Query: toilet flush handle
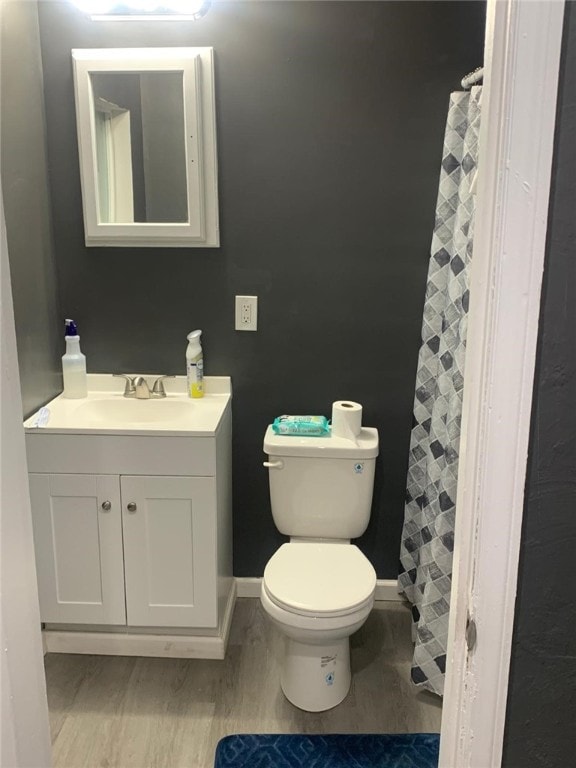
pixel 274 464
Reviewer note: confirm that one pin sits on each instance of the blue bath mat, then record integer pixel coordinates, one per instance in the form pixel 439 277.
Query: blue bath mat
pixel 365 750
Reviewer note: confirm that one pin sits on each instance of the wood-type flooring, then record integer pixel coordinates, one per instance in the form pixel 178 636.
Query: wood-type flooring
pixel 131 712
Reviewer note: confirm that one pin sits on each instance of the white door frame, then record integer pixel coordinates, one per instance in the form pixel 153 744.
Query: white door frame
pixel 24 726
pixel 523 41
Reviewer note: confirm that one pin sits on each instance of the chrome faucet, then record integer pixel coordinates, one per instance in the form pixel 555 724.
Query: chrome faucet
pixel 141 388
pixel 138 386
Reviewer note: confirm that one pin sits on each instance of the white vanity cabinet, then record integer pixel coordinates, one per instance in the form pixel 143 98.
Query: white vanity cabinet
pixel 133 534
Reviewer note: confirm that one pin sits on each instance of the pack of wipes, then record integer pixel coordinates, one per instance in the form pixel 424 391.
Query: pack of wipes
pixel 305 426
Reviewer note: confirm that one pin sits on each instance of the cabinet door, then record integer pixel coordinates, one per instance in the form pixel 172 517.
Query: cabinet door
pixel 170 551
pixel 78 541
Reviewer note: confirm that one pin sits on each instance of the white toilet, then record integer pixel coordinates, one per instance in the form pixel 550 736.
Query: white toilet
pixel 319 588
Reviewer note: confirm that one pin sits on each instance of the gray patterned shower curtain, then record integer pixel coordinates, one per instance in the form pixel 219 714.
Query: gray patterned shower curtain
pixel 428 533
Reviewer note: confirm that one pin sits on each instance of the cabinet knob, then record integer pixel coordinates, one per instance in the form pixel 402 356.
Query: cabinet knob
pixel 106 506
pixel 131 506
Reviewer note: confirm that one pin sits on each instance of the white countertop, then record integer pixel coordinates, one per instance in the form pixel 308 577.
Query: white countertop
pixel 107 412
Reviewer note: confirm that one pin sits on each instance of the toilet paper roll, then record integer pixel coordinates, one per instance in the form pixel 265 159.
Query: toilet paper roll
pixel 346 419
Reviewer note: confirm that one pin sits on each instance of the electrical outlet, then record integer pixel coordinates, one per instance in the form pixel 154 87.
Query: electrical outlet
pixel 246 313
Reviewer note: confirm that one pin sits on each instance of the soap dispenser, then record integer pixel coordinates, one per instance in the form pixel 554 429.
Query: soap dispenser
pixel 73 364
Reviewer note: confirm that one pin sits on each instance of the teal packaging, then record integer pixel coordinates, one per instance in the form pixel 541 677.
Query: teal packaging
pixel 305 426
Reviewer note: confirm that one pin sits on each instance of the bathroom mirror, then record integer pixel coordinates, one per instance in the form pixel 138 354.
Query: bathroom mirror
pixel 147 146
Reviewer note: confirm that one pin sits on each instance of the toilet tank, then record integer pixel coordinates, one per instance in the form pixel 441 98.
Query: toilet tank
pixel 321 487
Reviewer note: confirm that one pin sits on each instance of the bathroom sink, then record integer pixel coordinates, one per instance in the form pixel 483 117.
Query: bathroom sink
pixel 132 412
pixel 106 410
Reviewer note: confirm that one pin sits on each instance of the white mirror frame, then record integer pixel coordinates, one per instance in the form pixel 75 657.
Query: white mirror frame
pixel 197 66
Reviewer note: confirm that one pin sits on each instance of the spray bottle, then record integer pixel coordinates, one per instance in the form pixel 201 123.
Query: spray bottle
pixel 73 364
pixel 195 365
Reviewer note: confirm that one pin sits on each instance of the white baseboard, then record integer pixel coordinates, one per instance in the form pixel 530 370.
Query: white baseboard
pixel 248 587
pixel 386 589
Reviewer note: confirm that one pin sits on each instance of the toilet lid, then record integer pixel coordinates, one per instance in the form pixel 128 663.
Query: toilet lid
pixel 332 579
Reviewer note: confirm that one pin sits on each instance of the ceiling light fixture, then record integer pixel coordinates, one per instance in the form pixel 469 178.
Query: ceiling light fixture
pixel 139 10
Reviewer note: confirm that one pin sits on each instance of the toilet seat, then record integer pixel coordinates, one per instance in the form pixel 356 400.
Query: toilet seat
pixel 319 579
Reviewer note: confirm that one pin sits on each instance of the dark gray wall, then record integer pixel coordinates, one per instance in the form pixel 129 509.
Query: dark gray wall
pixel 39 326
pixel 541 714
pixel 330 121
